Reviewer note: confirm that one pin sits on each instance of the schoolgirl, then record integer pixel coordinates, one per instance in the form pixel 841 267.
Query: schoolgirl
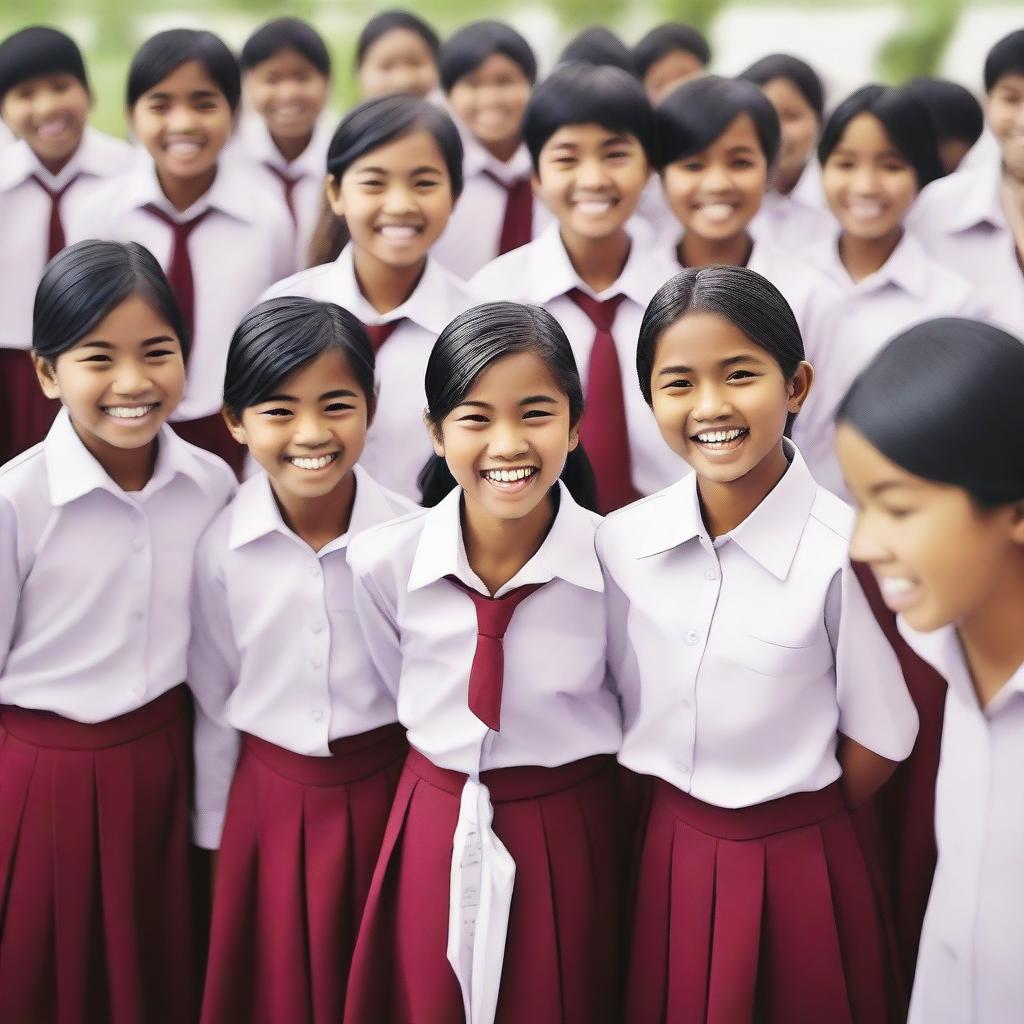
pixel 496 893
pixel 395 171
pixel 54 166
pixel 757 689
pixel 793 213
pixel 878 150
pixel 98 526
pixel 668 55
pixel 959 119
pixel 908 445
pixel 287 81
pixel 217 230
pixel 396 52
pixel 590 133
pixel 487 72
pixel 300 707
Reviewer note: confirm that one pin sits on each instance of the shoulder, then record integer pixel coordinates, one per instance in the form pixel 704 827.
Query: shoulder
pixel 313 283
pixel 461 295
pixel 213 544
pixel 118 153
pixel 832 519
pixel 211 474
pixel 502 277
pixel 387 548
pixel 941 197
pixel 621 533
pixel 23 481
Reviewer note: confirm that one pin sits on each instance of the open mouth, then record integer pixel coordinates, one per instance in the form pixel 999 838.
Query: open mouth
pixel 898 592
pixel 721 440
pixel 510 480
pixel 311 463
pixel 865 211
pixel 399 232
pixel 184 149
pixel 717 213
pixel 54 128
pixel 594 207
pixel 128 412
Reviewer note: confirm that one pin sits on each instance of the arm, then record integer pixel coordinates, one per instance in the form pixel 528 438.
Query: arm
pixel 378 622
pixel 10 579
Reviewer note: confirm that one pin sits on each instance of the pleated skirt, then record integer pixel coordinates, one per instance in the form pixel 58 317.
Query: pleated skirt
pixel 95 918
pixel 562 952
pixel 301 838
pixel 765 913
pixel 26 414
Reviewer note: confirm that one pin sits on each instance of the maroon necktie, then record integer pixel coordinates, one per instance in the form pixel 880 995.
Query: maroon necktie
pixel 493 614
pixel 517 227
pixel 379 333
pixel 56 238
pixel 603 429
pixel 179 269
pixel 288 183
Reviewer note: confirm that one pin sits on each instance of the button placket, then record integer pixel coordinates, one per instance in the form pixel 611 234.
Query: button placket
pixel 320 639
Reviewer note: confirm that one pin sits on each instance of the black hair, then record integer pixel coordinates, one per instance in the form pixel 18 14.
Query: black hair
pixel 693 115
pixel 36 51
pixel 750 302
pixel 86 282
pixel 468 48
pixel 379 121
pixel 956 110
pixel 906 120
pixel 286 34
pixel 1005 58
pixel 936 389
pixel 467 347
pixel 783 65
pixel 279 336
pixel 165 52
pixel 585 94
pixel 668 38
pixel 388 21
pixel 599 47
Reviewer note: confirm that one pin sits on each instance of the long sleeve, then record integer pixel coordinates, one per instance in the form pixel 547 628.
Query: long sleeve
pixel 10 579
pixel 378 623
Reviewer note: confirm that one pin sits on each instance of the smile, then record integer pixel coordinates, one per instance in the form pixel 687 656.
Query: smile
pixel 398 232
pixel 898 592
pixel 311 463
pixel 594 207
pixel 184 147
pixel 128 412
pixel 721 440
pixel 510 479
pixel 717 212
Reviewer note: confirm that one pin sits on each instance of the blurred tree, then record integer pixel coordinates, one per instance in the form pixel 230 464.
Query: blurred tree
pixel 918 48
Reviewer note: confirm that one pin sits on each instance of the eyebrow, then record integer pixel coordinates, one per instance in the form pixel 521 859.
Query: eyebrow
pixel 161 339
pixel 338 393
pixel 889 485
pixel 529 400
pixel 724 364
pixel 196 94
pixel 425 169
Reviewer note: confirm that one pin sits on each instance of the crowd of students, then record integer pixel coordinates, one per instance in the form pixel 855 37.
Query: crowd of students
pixel 442 514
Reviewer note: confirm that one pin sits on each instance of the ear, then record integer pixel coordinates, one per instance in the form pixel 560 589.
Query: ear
pixel 234 425
pixel 1017 526
pixel 535 183
pixel 46 375
pixel 799 386
pixel 436 437
pixel 574 438
pixel 332 190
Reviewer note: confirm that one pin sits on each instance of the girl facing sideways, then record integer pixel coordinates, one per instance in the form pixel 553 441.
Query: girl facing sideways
pixel 757 689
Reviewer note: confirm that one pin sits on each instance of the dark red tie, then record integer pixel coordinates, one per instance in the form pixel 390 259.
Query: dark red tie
pixel 379 333
pixel 56 238
pixel 288 183
pixel 493 614
pixel 179 269
pixel 517 227
pixel 603 429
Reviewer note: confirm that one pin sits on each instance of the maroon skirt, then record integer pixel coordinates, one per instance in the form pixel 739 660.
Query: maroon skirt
pixel 94 881
pixel 301 838
pixel 211 434
pixel 26 414
pixel 562 948
pixel 763 913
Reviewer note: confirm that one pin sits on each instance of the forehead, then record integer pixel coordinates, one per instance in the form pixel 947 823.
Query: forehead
pixel 703 340
pixel 866 468
pixel 866 132
pixel 284 61
pixel 1011 80
pixel 47 81
pixel 329 371
pixel 396 44
pixel 783 93
pixel 187 78
pixel 406 153
pixel 131 320
pixel 512 377
pixel 740 131
pixel 495 64
pixel 588 135
pixel 675 62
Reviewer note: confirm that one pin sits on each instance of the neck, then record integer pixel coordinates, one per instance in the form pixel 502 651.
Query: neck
pixel 598 261
pixel 291 149
pixel 992 639
pixel 785 181
pixel 498 548
pixel 322 519
pixel 55 166
pixel 504 149
pixel 1013 179
pixel 383 286
pixel 726 505
pixel 695 251
pixel 130 468
pixel 182 193
pixel 864 256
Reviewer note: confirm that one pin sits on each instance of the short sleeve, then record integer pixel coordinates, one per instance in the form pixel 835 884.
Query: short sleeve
pixel 379 625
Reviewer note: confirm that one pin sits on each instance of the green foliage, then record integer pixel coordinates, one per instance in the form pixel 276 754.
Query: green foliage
pixel 918 48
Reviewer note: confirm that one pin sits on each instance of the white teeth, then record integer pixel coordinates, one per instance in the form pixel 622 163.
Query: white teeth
pixel 128 412
pixel 865 211
pixel 183 148
pixel 895 585
pixel 308 463
pixel 398 232
pixel 593 207
pixel 717 212
pixel 508 476
pixel 717 436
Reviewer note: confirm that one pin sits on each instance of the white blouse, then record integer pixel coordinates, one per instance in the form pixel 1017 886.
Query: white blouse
pixel 740 659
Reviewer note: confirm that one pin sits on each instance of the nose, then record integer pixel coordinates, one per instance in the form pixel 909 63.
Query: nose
pixel 310 429
pixel 181 118
pixel 711 403
pixel 399 199
pixel 131 379
pixel 508 441
pixel 592 173
pixel 717 179
pixel 865 180
pixel 865 545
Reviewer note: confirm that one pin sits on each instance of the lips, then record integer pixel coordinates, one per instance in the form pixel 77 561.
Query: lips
pixel 594 207
pixel 898 592
pixel 54 127
pixel 398 232
pixel 311 463
pixel 721 439
pixel 717 213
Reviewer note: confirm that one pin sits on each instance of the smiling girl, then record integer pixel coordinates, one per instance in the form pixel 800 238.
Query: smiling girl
pixel 496 893
pixel 757 689
pixel 941 524
pixel 300 707
pixel 394 171
pixel 98 525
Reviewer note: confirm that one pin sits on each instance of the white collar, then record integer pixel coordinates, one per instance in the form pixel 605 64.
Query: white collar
pixel 20 163
pixel 975 197
pixel 229 193
pixel 254 137
pixel 906 268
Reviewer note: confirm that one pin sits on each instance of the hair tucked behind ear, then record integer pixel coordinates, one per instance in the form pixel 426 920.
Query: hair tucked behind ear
pixel 943 401
pixel 467 347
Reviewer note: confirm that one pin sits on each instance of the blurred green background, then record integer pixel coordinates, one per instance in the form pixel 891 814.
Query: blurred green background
pixel 916 36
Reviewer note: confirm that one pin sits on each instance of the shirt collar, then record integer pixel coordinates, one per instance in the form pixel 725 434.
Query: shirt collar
pixel 477 160
pixel 73 471
pixel 20 164
pixel 977 199
pixel 228 194
pixel 311 162
pixel 905 269
pixel 567 552
pixel 770 534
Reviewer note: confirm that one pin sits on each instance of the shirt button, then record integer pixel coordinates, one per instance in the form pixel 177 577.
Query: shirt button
pixel 316 662
pixel 710 574
pixel 317 626
pixel 318 716
pixel 314 570
pixel 692 637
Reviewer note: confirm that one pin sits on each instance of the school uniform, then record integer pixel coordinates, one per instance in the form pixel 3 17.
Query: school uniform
pixel 295 722
pixel 298 184
pixel 495 895
pixel 739 660
pixel 962 223
pixel 397 444
pixel 968 969
pixel 798 219
pixel 630 457
pixel 35 205
pixel 96 752
pixel 219 255
pixel 496 212
pixel 910 287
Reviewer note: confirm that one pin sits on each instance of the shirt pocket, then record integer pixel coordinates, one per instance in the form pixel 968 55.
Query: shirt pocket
pixel 772 659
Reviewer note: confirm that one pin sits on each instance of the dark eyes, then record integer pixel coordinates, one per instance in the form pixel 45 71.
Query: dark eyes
pixel 530 414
